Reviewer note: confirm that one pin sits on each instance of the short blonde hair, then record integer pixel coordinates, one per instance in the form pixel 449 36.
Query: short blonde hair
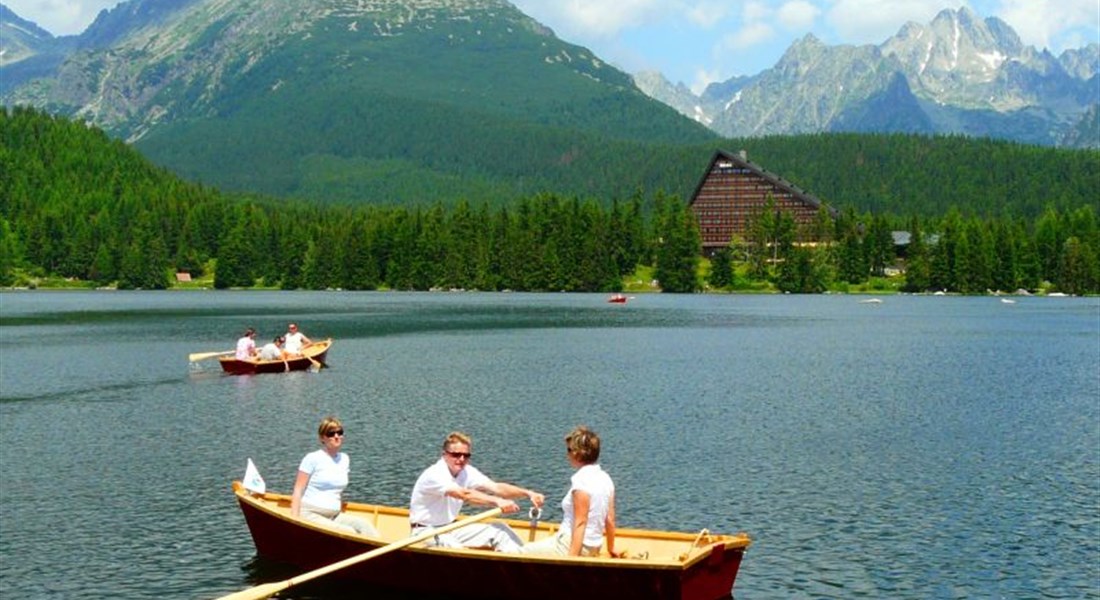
pixel 583 444
pixel 329 423
pixel 456 437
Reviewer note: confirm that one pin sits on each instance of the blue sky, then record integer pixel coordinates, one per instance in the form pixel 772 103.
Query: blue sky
pixel 697 42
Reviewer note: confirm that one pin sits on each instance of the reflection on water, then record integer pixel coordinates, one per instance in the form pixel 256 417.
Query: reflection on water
pixel 921 447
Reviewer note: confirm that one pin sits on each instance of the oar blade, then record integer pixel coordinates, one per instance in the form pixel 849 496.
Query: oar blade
pixel 197 356
pixel 258 592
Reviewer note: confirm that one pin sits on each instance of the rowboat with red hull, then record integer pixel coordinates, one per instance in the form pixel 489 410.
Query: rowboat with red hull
pixel 660 565
pixel 312 356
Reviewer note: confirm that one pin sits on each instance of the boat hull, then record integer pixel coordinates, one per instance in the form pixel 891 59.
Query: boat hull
pixel 708 574
pixel 317 351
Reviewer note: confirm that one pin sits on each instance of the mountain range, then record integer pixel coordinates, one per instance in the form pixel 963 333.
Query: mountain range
pixel 959 74
pixel 349 99
pixel 370 100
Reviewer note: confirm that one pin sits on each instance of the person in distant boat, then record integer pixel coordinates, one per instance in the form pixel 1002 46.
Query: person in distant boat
pixel 442 488
pixel 246 345
pixel 588 508
pixel 295 340
pixel 322 477
pixel 273 350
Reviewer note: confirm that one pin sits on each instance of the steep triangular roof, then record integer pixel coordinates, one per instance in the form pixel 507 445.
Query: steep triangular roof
pixel 742 161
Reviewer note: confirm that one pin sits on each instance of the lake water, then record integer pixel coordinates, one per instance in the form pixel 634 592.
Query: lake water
pixel 924 447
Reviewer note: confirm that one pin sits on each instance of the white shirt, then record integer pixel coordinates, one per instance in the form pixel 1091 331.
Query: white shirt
pixel 270 351
pixel 328 477
pixel 293 342
pixel 599 487
pixel 430 504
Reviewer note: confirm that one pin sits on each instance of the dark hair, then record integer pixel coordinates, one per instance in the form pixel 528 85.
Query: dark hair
pixel 250 331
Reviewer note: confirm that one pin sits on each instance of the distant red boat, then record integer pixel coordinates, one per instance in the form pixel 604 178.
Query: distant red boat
pixel 617 299
pixel 312 356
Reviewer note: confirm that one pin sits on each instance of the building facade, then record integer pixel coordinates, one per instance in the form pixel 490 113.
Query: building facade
pixel 734 191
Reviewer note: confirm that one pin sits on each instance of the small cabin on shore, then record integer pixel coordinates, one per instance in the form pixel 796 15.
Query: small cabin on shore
pixel 733 191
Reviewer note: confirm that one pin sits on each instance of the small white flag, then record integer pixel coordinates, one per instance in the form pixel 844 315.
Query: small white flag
pixel 252 480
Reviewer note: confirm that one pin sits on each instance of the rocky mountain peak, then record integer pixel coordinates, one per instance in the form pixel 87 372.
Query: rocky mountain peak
pixel 958 73
pixel 955 42
pixel 955 55
pixel 19 38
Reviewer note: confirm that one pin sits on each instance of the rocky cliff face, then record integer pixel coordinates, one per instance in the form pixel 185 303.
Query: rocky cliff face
pixel 957 74
pixel 147 61
pixel 349 99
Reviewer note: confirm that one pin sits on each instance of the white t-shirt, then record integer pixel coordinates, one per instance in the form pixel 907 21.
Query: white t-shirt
pixel 599 487
pixel 293 342
pixel 270 351
pixel 328 477
pixel 430 504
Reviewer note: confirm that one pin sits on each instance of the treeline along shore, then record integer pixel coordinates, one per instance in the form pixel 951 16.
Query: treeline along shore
pixel 78 206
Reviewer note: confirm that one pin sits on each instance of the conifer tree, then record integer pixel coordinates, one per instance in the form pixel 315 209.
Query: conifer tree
pixel 9 253
pixel 721 269
pixel 678 253
pixel 234 265
pixel 917 269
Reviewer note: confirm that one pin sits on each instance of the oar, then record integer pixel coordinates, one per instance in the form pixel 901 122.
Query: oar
pixel 266 589
pixel 197 356
pixel 316 365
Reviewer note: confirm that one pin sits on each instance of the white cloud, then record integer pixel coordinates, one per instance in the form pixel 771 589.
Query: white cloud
pixel 797 15
pixel 1044 23
pixel 707 14
pixel 607 18
pixel 756 11
pixel 746 37
pixel 873 21
pixel 705 77
pixel 599 18
pixel 60 17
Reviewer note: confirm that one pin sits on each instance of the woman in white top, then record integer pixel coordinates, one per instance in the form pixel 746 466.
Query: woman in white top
pixel 246 345
pixel 588 509
pixel 322 477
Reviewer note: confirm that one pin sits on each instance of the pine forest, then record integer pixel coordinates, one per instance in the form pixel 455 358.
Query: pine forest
pixel 78 206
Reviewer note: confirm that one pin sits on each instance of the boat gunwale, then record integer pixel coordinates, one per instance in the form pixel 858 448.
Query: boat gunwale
pixel 269 503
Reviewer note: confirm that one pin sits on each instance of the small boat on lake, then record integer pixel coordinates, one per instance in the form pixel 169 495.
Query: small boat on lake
pixel 617 299
pixel 312 355
pixel 660 565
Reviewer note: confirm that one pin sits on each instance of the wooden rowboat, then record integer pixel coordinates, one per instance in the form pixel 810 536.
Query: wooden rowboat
pixel 316 351
pixel 660 565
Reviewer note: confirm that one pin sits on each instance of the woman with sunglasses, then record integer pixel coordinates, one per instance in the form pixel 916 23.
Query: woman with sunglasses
pixel 588 508
pixel 322 477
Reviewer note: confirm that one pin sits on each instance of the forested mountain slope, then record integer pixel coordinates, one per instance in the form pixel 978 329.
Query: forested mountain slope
pixel 387 101
pixel 76 204
pixel 920 175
